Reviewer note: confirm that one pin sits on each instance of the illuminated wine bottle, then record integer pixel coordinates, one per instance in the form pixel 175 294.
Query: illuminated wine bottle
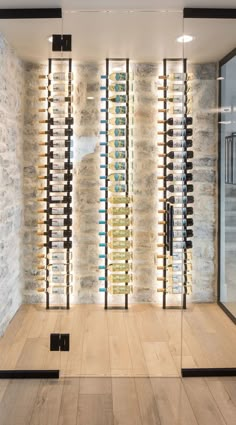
pixel 117 211
pixel 118 76
pixel 115 155
pixel 56 99
pixel 179 211
pixel 115 177
pixel 117 233
pixel 55 256
pixel 115 121
pixel 57 245
pixel 178 188
pixel 118 87
pixel 117 222
pixel 177 121
pixel 177 177
pixel 117 267
pixel 180 98
pixel 115 188
pixel 176 289
pixel 179 199
pixel 179 222
pixel 178 155
pixel 118 256
pixel 56 289
pixel 58 132
pixel 117 278
pixel 119 199
pixel 119 110
pixel 116 244
pixel 118 98
pixel 175 109
pixel 118 289
pixel 58 121
pixel 177 166
pixel 177 143
pixel 58 76
pixel 58 109
pixel 117 132
pixel 181 88
pixel 177 76
pixel 179 245
pixel 57 211
pixel 179 233
pixel 115 166
pixel 58 88
pixel 114 143
pixel 177 133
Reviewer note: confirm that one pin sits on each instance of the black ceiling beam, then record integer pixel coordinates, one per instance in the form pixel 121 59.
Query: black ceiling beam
pixel 205 13
pixel 41 13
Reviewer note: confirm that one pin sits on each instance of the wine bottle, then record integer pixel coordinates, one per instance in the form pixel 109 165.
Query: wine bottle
pixel 179 245
pixel 181 88
pixel 57 222
pixel 118 289
pixel 117 278
pixel 58 88
pixel 118 267
pixel 115 188
pixel 117 233
pixel 117 132
pixel 58 109
pixel 115 155
pixel 56 256
pixel 179 233
pixel 177 133
pixel 117 211
pixel 118 222
pixel 56 199
pixel 172 268
pixel 179 211
pixel 56 99
pixel 114 244
pixel 119 199
pixel 57 289
pixel 58 143
pixel 58 132
pixel 57 211
pixel 177 177
pixel 57 188
pixel 176 289
pixel 174 109
pixel 114 143
pixel 57 245
pixel 118 76
pixel 62 177
pixel 57 233
pixel 179 222
pixel 57 165
pixel 178 188
pixel 118 256
pixel 118 87
pixel 115 166
pixel 177 144
pixel 57 155
pixel 178 155
pixel 179 200
pixel 115 121
pixel 177 121
pixel 178 166
pixel 177 256
pixel 177 76
pixel 119 110
pixel 115 177
pixel 118 98
pixel 58 76
pixel 58 121
pixel 180 98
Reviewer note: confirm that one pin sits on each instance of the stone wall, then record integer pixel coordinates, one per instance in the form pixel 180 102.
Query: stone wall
pixel 12 85
pixel 86 181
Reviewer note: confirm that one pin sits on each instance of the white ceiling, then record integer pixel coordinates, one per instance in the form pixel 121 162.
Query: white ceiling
pixel 145 34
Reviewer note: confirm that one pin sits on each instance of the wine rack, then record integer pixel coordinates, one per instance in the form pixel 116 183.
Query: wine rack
pixel 55 184
pixel 116 176
pixel 175 216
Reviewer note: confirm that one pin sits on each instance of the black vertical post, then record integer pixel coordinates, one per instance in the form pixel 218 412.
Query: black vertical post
pixel 127 156
pixel 106 192
pixel 68 216
pixel 165 184
pixel 185 280
pixel 48 185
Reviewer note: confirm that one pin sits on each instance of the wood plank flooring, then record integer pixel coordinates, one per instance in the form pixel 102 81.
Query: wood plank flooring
pixel 119 401
pixel 144 341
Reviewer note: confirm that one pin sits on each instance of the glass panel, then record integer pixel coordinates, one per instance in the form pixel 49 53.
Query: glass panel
pixel 208 333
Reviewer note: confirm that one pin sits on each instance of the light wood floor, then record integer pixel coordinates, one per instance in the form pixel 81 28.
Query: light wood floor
pixel 118 401
pixel 144 341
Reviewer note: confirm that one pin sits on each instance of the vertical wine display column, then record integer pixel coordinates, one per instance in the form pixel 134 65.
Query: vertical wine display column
pixel 55 187
pixel 174 181
pixel 115 178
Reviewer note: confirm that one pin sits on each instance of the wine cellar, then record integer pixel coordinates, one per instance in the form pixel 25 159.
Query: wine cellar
pixel 118 201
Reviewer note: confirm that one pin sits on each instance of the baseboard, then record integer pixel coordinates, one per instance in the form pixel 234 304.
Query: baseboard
pixel 29 374
pixel 208 372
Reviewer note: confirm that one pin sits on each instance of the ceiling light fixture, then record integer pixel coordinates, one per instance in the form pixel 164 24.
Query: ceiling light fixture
pixel 185 38
pixel 90 97
pixel 220 78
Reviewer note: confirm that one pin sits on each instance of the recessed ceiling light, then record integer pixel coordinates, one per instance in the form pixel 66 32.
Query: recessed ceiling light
pixel 90 97
pixel 220 78
pixel 185 38
pixel 50 39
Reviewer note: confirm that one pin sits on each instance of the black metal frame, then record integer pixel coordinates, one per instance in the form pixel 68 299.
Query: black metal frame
pixel 37 13
pixel 208 372
pixel 222 62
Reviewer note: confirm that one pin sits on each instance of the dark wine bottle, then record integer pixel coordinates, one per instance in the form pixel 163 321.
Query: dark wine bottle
pixel 179 233
pixel 179 200
pixel 178 155
pixel 57 188
pixel 173 132
pixel 56 166
pixel 57 211
pixel 177 143
pixel 177 177
pixel 180 245
pixel 57 245
pixel 184 211
pixel 179 188
pixel 57 199
pixel 180 222
pixel 178 166
pixel 57 222
pixel 57 154
pixel 177 121
pixel 58 121
pixel 58 132
pixel 57 233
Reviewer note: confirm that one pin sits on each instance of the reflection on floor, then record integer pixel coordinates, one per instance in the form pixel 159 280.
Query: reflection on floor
pixel 113 401
pixel 144 341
